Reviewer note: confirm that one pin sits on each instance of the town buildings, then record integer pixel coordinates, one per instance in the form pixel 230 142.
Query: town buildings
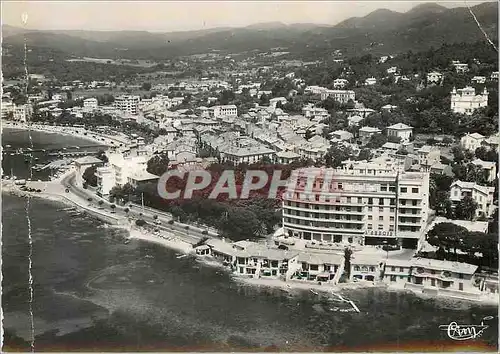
pixel 90 104
pixel 465 101
pixel 219 112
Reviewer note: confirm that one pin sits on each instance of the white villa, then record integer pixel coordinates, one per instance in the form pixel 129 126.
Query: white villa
pixel 472 141
pixel 400 130
pixel 465 100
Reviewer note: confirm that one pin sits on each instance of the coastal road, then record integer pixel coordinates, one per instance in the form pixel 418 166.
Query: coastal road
pixel 189 233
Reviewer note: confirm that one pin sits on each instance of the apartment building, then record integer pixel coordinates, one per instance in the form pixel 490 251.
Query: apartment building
pixel 340 83
pixel 89 104
pixel 481 194
pixel 219 112
pixel 127 104
pixel 129 162
pixel 362 202
pixel 342 96
pixel 465 101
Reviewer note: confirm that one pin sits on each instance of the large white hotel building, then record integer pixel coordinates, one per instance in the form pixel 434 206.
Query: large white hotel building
pixel 359 203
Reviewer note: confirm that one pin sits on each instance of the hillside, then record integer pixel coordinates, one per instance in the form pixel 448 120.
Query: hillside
pixel 380 32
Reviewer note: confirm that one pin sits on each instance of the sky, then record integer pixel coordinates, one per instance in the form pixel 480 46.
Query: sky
pixel 166 16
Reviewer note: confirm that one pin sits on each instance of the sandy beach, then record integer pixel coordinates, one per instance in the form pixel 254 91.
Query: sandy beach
pixel 79 133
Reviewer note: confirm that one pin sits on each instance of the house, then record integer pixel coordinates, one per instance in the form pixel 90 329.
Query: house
pixel 139 178
pixel 472 141
pixel 391 147
pixel 90 104
pixel 286 157
pixel 388 108
pixel 494 75
pixel 478 79
pixel 482 195
pixel 438 277
pixel 273 102
pixel 392 70
pixel 489 168
pixel 465 100
pixel 400 130
pixel 342 96
pixel 434 77
pixel 319 267
pixel 354 121
pixel 82 164
pixel 370 81
pixel 341 135
pixel 461 68
pixel 219 112
pixel 365 267
pixel 428 155
pixel 366 133
pixel 397 272
pixel 340 83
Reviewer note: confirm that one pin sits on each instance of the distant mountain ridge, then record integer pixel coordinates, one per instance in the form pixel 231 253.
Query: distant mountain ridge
pixel 382 31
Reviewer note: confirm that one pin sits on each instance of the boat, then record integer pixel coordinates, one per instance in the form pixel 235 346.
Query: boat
pixel 127 241
pixel 181 256
pixel 314 292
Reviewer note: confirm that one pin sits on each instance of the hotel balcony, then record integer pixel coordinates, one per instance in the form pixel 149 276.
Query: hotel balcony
pixel 332 220
pixel 331 210
pixel 328 229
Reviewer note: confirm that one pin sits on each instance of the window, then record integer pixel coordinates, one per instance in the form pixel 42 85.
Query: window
pixel 393 278
pixel 392 210
pixel 393 269
pixel 391 227
pixel 313 267
pixel 460 276
pixel 381 201
pixel 356 268
pixel 370 201
pixel 381 210
pixel 349 200
pixel 339 186
pixel 380 227
pixel 369 226
pixel 414 202
pixel 404 189
pixel 383 188
pixel 391 218
pixel 393 202
pixel 372 269
pixel 401 269
pixel 360 200
pixel 414 190
pixel 370 217
pixel 370 208
pixel 380 218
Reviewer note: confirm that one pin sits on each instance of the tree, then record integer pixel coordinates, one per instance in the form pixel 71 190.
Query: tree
pixel 126 210
pixel 364 154
pixel 376 141
pixel 447 235
pixel 466 209
pixel 113 207
pixel 309 134
pixel 158 164
pixel 140 222
pixel 146 86
pixel 100 202
pixel 101 155
pixel 89 176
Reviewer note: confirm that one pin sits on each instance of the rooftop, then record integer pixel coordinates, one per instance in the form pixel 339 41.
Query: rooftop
pixel 456 267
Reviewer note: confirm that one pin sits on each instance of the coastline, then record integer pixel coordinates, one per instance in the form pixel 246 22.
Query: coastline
pixel 104 140
pixel 175 242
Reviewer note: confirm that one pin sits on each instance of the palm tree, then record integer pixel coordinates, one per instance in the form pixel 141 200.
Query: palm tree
pixel 100 202
pixel 112 206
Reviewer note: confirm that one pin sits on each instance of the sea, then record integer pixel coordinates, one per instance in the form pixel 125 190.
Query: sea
pixel 94 292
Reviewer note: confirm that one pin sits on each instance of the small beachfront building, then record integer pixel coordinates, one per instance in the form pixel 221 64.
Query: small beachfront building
pixel 397 272
pixel 365 267
pixel 443 277
pixel 319 267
